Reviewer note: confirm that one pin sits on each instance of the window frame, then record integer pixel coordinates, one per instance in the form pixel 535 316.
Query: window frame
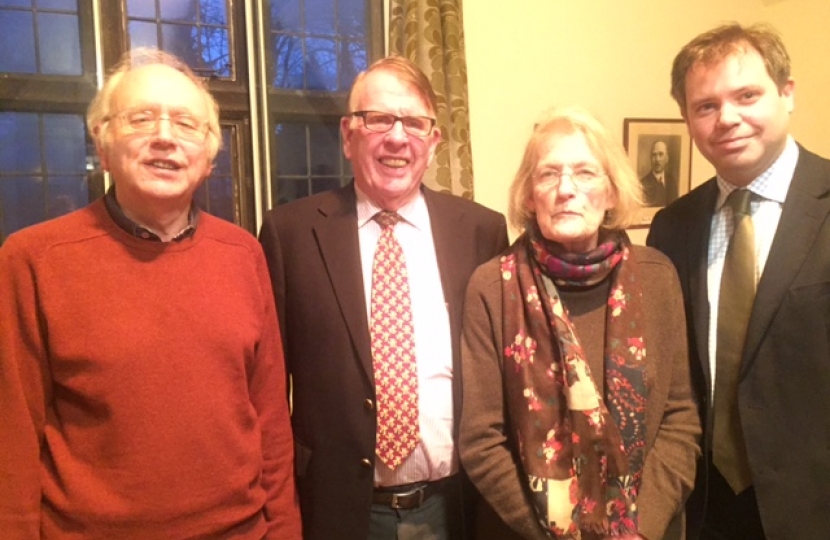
pixel 249 105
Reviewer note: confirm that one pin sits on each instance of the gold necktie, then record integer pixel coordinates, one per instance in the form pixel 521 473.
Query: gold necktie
pixel 737 295
pixel 393 348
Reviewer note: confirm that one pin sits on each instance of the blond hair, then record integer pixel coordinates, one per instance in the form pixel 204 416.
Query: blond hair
pixel 610 154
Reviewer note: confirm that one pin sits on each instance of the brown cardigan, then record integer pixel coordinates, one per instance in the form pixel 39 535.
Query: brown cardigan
pixel 672 421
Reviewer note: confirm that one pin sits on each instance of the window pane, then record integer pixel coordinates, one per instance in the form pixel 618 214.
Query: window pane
pixel 183 41
pixel 65 5
pixel 21 203
pixel 65 194
pixel 319 185
pixel 180 10
pixel 31 144
pixel 215 12
pixel 57 34
pixel 216 195
pixel 222 163
pixel 353 60
pixel 291 150
pixel 19 143
pixel 141 8
pixel 16 3
pixel 321 71
pixel 324 143
pixel 292 189
pixel 285 16
pixel 288 52
pixel 64 142
pixel 143 34
pixel 322 152
pixel 215 54
pixel 17 42
pixel 60 44
pixel 319 17
pixel 352 18
pixel 196 31
pixel 318 44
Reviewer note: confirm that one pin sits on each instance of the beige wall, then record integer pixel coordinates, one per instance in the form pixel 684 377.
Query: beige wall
pixel 614 58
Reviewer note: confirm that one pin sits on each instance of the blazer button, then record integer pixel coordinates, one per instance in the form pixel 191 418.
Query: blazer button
pixel 366 463
pixel 369 405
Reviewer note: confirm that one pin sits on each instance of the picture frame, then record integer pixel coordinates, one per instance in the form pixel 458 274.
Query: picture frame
pixel 667 175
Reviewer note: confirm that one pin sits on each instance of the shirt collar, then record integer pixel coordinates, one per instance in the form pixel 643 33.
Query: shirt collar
pixel 120 218
pixel 773 183
pixel 414 212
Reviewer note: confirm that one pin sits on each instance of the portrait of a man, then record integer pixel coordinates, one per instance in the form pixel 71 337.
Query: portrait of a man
pixel 660 182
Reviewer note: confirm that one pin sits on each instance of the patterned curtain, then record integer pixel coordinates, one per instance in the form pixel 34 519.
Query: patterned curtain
pixel 431 34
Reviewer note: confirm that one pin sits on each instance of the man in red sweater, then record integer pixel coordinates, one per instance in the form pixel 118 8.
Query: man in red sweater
pixel 142 384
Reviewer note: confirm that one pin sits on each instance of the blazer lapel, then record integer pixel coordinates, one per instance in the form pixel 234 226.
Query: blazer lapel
pixel 336 235
pixel 449 249
pixel 698 267
pixel 805 209
pixel 449 244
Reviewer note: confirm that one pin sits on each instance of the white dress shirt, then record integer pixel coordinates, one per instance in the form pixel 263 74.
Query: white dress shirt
pixel 768 193
pixel 434 457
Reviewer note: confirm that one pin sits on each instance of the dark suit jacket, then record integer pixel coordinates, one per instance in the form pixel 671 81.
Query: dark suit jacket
pixel 656 193
pixel 313 253
pixel 784 389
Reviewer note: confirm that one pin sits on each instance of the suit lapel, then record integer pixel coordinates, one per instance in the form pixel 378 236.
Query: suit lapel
pixel 449 251
pixel 448 247
pixel 336 235
pixel 698 275
pixel 805 209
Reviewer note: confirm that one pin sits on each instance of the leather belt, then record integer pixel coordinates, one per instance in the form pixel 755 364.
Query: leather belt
pixel 409 496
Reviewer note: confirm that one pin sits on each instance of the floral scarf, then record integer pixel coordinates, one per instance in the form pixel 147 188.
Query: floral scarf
pixel 582 454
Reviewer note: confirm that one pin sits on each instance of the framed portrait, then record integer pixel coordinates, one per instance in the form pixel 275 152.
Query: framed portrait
pixel 660 151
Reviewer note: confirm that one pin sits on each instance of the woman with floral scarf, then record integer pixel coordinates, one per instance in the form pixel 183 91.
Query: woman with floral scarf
pixel 577 420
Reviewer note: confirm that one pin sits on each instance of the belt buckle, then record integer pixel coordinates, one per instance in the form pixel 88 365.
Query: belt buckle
pixel 397 499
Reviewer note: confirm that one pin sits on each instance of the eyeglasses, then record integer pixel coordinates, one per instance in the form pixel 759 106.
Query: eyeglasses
pixel 582 178
pixel 381 122
pixel 146 121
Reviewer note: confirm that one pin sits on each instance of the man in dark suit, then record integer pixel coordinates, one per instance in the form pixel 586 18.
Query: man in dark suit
pixel 765 471
pixel 321 252
pixel 659 185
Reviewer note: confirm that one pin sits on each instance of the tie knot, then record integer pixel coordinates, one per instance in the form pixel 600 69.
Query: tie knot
pixel 738 200
pixel 387 218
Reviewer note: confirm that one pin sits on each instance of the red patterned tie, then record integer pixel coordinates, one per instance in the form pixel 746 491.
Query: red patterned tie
pixel 393 348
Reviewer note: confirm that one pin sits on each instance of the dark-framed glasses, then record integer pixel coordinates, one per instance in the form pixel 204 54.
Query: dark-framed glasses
pixel 381 122
pixel 182 125
pixel 583 178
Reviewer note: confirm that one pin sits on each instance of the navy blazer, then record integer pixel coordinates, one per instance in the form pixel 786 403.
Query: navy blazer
pixel 312 250
pixel 784 388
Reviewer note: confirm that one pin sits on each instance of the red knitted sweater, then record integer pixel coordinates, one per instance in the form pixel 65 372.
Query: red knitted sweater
pixel 142 386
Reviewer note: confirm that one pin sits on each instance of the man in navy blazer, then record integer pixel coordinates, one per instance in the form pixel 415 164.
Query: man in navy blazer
pixel 320 252
pixel 735 92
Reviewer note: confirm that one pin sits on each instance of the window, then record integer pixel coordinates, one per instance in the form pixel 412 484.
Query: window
pixel 316 48
pixel 47 69
pixel 42 167
pixel 281 140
